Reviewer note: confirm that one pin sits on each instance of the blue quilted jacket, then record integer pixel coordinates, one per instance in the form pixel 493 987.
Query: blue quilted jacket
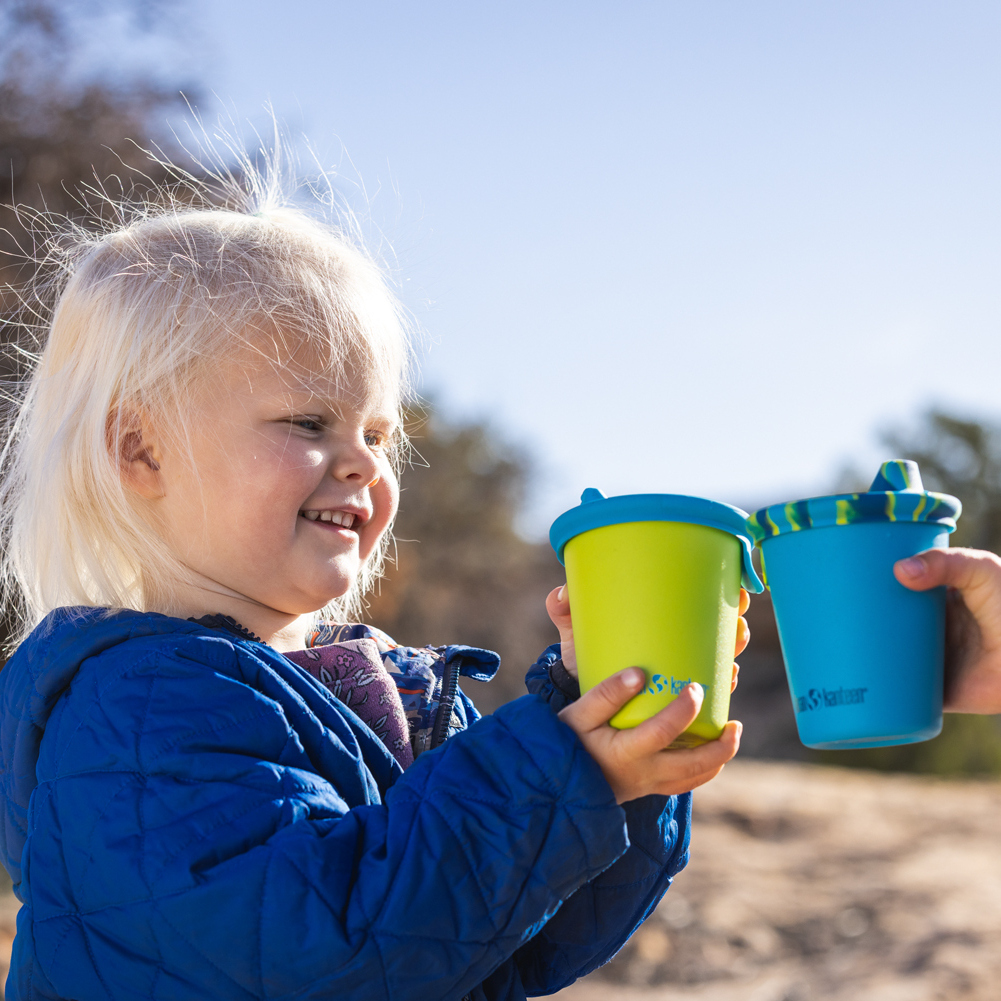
pixel 188 815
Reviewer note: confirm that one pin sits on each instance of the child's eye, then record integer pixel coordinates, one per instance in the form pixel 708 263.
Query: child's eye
pixel 307 423
pixel 375 439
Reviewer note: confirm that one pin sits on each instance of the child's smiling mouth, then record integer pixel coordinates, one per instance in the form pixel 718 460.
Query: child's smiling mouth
pixel 343 519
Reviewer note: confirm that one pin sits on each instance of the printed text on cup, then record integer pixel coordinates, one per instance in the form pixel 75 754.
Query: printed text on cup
pixel 822 698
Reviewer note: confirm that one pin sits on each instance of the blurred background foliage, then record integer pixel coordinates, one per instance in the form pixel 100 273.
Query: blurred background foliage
pixel 462 572
pixel 69 121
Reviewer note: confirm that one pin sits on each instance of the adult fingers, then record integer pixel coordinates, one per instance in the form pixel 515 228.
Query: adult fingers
pixel 972 680
pixel 658 731
pixel 601 703
pixel 743 636
pixel 966 569
pixel 974 573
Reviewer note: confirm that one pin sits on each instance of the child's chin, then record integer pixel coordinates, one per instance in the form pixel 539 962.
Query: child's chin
pixel 333 588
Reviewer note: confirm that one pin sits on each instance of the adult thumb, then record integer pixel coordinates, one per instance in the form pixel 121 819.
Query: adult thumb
pixel 969 570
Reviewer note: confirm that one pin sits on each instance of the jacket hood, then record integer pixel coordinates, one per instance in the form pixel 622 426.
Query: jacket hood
pixel 30 685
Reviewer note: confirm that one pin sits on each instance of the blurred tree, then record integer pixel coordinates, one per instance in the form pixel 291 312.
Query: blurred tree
pixel 462 572
pixel 962 457
pixel 70 116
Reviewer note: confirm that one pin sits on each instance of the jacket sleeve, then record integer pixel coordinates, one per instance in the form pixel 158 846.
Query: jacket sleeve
pixel 551 681
pixel 237 851
pixel 591 927
pixel 601 916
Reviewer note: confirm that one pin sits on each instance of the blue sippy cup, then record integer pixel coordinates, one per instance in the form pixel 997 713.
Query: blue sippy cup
pixel 863 654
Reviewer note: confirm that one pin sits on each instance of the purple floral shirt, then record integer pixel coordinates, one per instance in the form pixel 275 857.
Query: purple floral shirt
pixel 354 672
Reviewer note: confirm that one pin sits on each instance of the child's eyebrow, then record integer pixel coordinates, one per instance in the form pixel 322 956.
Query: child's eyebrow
pixel 381 416
pixel 297 398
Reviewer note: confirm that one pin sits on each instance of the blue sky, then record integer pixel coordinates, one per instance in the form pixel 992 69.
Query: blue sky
pixel 702 247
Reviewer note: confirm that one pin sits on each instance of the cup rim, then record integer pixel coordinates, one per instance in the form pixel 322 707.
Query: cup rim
pixel 598 511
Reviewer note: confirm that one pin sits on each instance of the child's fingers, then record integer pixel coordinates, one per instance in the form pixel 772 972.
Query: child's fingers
pixel 743 636
pixel 558 606
pixel 706 763
pixel 745 602
pixel 733 677
pixel 679 771
pixel 601 703
pixel 743 630
pixel 655 733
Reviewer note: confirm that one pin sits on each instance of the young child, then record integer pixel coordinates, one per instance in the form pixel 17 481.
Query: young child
pixel 213 792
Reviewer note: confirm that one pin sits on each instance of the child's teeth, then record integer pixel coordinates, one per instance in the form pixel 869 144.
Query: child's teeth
pixel 343 518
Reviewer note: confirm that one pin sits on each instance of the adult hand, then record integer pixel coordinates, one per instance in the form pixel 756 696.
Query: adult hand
pixel 973 622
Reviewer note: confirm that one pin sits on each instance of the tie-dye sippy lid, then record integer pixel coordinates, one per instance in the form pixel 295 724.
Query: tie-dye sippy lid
pixel 896 494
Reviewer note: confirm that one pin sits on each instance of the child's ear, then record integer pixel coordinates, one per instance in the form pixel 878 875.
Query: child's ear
pixel 132 445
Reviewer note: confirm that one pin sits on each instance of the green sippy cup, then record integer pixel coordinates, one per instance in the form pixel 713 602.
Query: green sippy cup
pixel 654 582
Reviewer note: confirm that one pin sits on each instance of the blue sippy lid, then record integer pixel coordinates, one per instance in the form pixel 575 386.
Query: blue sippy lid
pixel 596 511
pixel 897 494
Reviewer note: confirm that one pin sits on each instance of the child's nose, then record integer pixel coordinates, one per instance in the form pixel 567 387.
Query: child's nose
pixel 356 464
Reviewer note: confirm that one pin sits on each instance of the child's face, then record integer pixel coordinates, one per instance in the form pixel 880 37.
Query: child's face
pixel 289 489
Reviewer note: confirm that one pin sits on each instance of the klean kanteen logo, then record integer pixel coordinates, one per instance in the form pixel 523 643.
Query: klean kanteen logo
pixel 677 685
pixel 823 698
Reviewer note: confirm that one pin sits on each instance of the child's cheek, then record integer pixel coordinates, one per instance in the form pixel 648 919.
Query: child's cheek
pixel 385 500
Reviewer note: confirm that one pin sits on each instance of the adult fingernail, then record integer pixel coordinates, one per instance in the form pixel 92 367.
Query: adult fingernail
pixel 913 566
pixel 633 677
pixel 562 593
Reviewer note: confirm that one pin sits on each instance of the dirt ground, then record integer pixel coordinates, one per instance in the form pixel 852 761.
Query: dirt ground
pixel 8 918
pixel 814 884
pixel 817 884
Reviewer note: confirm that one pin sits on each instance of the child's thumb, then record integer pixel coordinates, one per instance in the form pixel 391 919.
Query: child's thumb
pixel 601 703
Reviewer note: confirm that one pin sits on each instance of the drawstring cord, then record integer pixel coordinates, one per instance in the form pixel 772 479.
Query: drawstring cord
pixel 449 683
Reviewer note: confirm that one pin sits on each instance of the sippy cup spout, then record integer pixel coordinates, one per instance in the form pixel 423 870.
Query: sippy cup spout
pixel 590 495
pixel 899 475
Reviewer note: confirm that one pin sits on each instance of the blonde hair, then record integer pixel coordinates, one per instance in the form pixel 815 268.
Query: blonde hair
pixel 139 311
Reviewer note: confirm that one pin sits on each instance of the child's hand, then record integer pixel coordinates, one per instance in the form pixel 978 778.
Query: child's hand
pixel 743 633
pixel 635 762
pixel 558 607
pixel 973 622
